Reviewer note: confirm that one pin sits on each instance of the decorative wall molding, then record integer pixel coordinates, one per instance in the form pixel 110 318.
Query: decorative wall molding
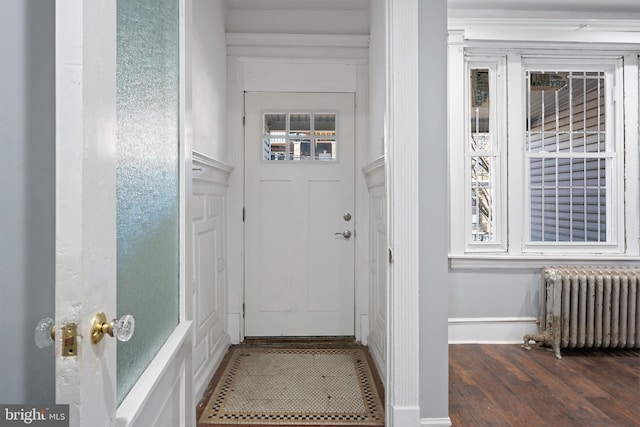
pixel 351 48
pixel 374 173
pixel 491 330
pixel 206 168
pixel 301 40
pixel 540 33
pixel 586 25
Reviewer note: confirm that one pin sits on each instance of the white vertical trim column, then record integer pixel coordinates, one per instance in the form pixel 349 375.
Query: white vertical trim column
pixel 632 146
pixel 401 144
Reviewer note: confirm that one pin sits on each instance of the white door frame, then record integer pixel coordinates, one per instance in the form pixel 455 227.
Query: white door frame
pixel 86 229
pixel 334 291
pixel 255 73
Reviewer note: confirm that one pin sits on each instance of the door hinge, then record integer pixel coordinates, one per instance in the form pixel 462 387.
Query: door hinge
pixel 243 310
pixel 242 214
pixel 390 256
pixel 244 119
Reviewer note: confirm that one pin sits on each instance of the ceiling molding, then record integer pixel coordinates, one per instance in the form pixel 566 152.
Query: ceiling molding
pixel 297 40
pixel 574 24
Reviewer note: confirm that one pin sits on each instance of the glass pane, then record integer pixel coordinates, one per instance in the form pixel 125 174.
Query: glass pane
pixel 482 209
pixel 325 149
pixel 274 143
pixel 147 184
pixel 480 112
pixel 566 112
pixel 300 125
pixel 568 199
pixel 275 122
pixel 274 148
pixel 324 124
pixel 301 148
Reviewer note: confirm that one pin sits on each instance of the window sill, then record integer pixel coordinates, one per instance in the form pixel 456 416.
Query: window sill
pixel 522 262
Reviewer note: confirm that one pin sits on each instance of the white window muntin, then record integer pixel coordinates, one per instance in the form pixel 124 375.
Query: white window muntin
pixel 287 137
pixel 613 155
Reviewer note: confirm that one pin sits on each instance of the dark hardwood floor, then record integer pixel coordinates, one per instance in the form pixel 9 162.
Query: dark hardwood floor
pixel 505 385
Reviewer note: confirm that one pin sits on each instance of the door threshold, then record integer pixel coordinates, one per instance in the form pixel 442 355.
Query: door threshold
pixel 311 342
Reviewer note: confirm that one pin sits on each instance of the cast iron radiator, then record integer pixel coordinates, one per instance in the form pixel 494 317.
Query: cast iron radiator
pixel 589 307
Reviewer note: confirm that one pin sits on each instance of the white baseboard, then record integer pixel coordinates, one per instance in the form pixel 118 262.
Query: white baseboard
pixel 490 330
pixel 401 416
pixel 435 422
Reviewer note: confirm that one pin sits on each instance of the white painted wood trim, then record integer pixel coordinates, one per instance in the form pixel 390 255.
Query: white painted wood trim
pixel 361 206
pixel 297 40
pixel 299 47
pixel 631 39
pixel 235 199
pixel 85 279
pixel 403 386
pixel 491 330
pixel 206 168
pixel 580 25
pixel 435 422
pixel 175 355
pixel 374 173
pixel 632 147
pixel 515 262
pixel 402 416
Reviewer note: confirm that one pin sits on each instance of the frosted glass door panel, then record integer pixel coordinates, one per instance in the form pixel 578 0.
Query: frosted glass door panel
pixel 147 179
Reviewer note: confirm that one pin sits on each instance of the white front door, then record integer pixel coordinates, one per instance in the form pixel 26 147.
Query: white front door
pixel 299 214
pixel 115 206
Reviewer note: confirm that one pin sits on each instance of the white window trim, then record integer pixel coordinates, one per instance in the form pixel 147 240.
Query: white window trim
pixel 519 253
pixel 498 130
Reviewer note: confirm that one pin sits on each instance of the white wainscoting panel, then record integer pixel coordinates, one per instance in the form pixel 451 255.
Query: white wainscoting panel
pixel 378 259
pixel 209 267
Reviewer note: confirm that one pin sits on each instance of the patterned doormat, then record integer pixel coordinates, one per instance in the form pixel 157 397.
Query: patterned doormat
pixel 284 386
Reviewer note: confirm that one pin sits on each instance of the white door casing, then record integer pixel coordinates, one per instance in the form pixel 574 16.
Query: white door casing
pixel 86 234
pixel 299 267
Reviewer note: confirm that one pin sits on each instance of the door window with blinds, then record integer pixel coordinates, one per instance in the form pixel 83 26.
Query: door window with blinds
pixel 538 162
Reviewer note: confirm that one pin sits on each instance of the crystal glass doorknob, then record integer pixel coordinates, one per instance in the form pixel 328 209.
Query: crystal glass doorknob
pixel 45 333
pixel 122 329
